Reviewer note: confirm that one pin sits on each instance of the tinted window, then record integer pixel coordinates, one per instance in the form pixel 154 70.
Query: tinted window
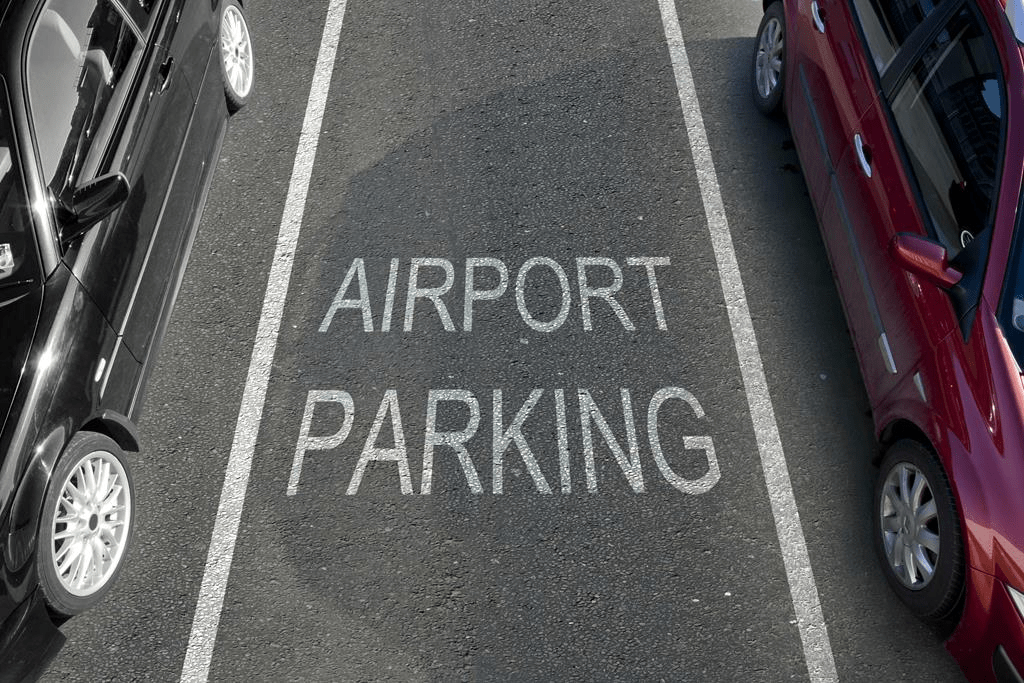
pixel 949 113
pixel 1011 304
pixel 139 11
pixel 886 25
pixel 77 58
pixel 18 259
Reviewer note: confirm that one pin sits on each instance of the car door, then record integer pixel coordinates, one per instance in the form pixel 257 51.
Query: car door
pixel 844 46
pixel 835 84
pixel 925 160
pixel 146 146
pixel 103 98
pixel 831 90
pixel 184 34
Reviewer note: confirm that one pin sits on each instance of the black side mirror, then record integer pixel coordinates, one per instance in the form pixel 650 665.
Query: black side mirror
pixel 925 258
pixel 93 201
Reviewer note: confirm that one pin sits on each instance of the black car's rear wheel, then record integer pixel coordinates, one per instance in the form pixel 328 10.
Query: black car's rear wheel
pixel 237 62
pixel 917 531
pixel 86 524
pixel 770 60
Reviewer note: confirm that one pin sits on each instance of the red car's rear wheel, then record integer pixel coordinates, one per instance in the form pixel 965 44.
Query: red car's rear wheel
pixel 770 60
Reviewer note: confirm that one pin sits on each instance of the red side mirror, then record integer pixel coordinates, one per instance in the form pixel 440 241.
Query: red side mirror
pixel 925 258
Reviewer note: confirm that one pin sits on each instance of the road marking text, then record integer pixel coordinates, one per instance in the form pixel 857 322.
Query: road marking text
pixel 430 281
pixel 508 419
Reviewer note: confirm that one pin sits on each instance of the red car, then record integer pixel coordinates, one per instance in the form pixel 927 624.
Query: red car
pixel 908 117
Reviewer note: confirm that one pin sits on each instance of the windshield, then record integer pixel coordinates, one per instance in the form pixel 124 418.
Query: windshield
pixel 1011 305
pixel 18 261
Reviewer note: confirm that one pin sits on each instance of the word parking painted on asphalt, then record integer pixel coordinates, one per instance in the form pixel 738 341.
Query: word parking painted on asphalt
pixel 591 419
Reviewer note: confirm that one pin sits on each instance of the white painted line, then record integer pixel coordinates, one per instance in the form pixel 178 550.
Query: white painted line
pixel 810 621
pixel 236 479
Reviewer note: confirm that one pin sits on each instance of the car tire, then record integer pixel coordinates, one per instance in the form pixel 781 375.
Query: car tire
pixel 917 532
pixel 769 63
pixel 237 61
pixel 86 524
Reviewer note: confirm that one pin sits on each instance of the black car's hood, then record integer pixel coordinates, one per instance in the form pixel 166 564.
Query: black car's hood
pixel 19 314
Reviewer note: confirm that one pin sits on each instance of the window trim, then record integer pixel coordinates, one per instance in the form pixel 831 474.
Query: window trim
pixel 119 7
pixel 908 54
pixel 142 33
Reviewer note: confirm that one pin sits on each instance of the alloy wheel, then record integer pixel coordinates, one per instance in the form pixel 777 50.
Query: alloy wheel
pixel 236 51
pixel 768 63
pixel 91 523
pixel 910 526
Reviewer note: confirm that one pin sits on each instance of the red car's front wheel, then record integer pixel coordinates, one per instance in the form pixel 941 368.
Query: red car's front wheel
pixel 917 531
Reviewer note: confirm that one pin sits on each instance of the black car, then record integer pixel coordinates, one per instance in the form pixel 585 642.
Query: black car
pixel 112 114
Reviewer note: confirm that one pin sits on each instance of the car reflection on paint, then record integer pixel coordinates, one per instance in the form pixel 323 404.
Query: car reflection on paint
pixel 112 114
pixel 907 119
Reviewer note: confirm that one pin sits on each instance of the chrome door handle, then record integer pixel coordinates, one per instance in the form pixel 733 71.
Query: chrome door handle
pixel 166 72
pixel 863 154
pixel 819 23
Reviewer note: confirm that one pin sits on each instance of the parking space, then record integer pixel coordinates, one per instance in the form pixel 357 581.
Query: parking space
pixel 506 433
pixel 521 451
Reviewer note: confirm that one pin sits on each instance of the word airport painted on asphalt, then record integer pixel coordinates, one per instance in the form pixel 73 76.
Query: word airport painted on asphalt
pixel 536 268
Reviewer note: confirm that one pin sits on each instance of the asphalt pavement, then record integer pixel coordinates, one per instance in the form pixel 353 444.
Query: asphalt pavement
pixel 506 434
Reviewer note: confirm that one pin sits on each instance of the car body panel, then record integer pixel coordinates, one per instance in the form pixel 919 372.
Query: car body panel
pixel 25 306
pixel 28 641
pixel 61 392
pixel 991 617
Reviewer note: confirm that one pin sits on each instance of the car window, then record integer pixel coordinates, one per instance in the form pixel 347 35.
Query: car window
pixel 1011 303
pixel 887 25
pixel 18 260
pixel 139 11
pixel 77 59
pixel 950 113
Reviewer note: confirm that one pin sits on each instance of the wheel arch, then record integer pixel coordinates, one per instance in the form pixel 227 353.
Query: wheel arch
pixel 118 427
pixel 965 481
pixel 896 430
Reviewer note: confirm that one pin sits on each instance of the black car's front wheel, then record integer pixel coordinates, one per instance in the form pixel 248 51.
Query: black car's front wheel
pixel 917 531
pixel 86 524
pixel 770 60
pixel 237 62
